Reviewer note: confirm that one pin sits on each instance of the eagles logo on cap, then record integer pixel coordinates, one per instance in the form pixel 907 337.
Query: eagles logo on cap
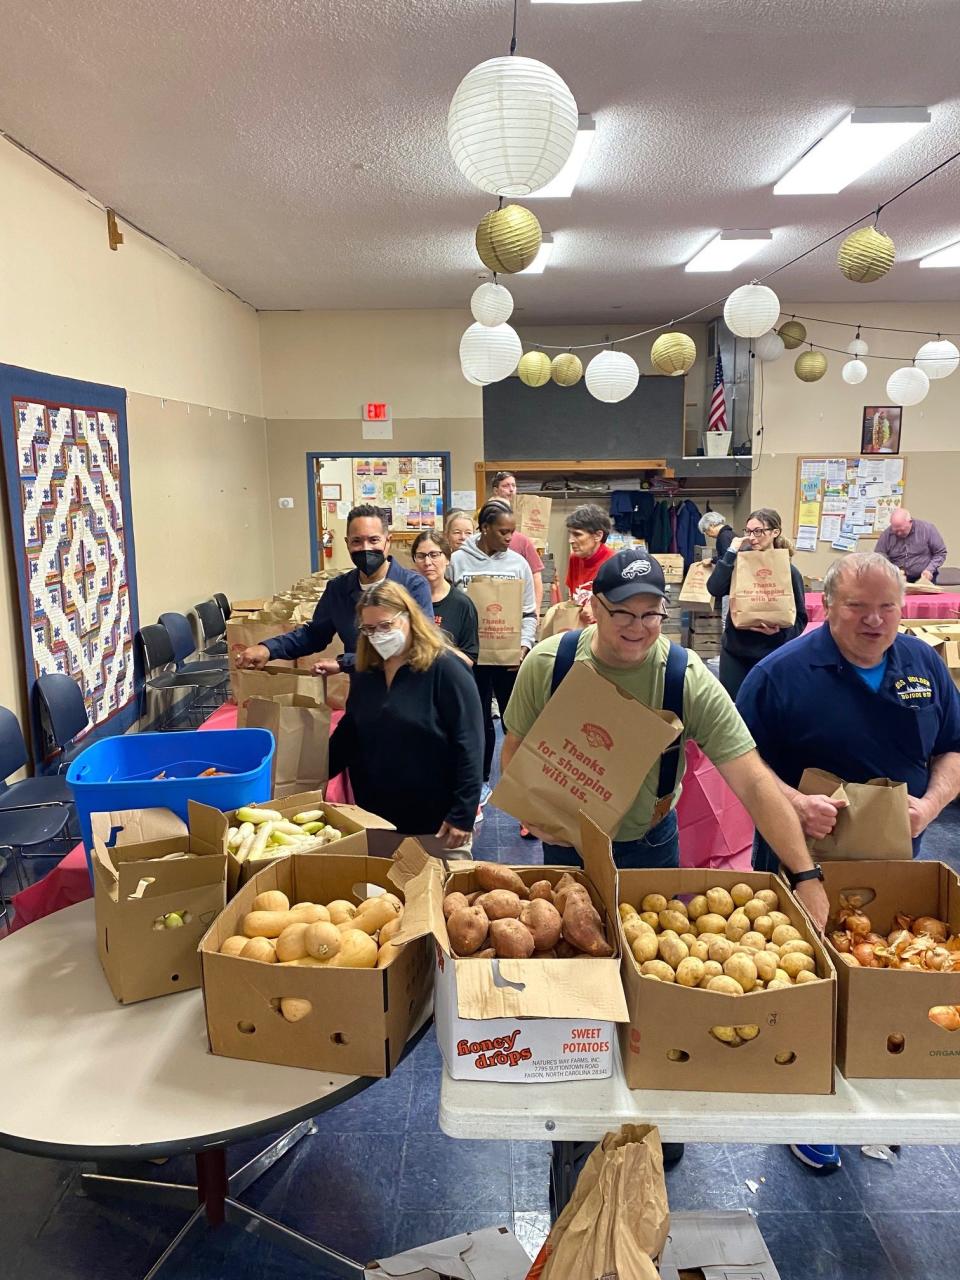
pixel 631 572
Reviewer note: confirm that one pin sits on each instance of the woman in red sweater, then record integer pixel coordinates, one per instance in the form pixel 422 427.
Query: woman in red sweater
pixel 587 529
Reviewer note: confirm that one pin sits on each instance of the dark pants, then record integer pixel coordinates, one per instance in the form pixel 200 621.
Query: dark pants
pixel 660 847
pixel 490 681
pixel 733 672
pixel 916 577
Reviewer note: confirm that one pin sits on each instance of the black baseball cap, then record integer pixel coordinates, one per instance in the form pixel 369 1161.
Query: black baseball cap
pixel 632 572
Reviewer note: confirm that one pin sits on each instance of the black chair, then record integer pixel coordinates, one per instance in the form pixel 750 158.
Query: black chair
pixel 224 604
pixel 154 651
pixel 213 628
pixel 59 715
pixel 184 645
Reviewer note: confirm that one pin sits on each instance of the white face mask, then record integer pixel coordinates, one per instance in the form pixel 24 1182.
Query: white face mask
pixel 389 645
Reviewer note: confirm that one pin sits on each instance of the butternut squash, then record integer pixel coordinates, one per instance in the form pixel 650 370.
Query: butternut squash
pixel 373 915
pixel 308 913
pixel 357 951
pixel 266 924
pixel 233 946
pixel 294 1008
pixel 386 954
pixel 271 900
pixel 259 949
pixel 322 940
pixel 340 910
pixel 390 928
pixel 291 944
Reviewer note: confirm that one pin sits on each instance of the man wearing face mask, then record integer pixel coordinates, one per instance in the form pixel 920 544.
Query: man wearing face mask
pixel 368 541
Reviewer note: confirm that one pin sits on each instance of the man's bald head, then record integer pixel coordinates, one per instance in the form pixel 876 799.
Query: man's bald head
pixel 901 521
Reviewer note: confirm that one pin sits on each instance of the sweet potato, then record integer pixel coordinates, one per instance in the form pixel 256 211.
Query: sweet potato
pixel 490 875
pixel 542 889
pixel 583 929
pixel 488 953
pixel 544 955
pixel 511 939
pixel 467 930
pixel 573 889
pixel 500 904
pixel 454 902
pixel 544 922
pixel 565 951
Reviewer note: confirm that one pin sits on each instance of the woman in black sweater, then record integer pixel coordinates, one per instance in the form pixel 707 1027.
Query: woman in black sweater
pixel 453 610
pixel 741 650
pixel 412 733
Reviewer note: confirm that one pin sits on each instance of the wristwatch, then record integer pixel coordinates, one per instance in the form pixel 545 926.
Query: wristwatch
pixel 798 877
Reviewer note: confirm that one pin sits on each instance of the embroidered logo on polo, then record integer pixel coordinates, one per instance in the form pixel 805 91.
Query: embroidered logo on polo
pixel 913 689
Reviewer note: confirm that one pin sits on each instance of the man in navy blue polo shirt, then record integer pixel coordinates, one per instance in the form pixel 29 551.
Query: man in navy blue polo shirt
pixel 368 541
pixel 859 700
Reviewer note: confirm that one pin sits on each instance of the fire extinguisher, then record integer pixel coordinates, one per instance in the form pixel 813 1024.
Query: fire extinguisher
pixel 327 543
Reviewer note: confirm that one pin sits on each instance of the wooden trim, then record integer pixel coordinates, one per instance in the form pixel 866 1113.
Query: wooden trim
pixel 522 467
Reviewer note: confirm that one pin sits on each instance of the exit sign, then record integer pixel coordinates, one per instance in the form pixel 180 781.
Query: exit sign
pixel 377 420
pixel 376 411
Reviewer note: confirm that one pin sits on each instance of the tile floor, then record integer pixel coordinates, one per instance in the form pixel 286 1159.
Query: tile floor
pixel 379 1176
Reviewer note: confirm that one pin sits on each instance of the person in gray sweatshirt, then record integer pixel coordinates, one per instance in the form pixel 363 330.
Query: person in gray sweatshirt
pixel 487 555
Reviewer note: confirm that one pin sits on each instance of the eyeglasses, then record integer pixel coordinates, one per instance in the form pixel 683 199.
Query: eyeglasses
pixel 382 628
pixel 423 556
pixel 756 531
pixel 623 618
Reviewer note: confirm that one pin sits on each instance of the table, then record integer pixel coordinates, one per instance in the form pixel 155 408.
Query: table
pixel 946 604
pixel 143 1084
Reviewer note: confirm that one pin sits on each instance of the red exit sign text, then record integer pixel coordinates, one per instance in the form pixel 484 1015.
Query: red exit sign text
pixel 376 411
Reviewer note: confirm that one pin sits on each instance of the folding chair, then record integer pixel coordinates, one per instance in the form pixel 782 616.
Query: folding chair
pixel 155 651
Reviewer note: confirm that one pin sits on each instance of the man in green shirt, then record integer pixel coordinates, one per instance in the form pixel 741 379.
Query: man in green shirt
pixel 626 646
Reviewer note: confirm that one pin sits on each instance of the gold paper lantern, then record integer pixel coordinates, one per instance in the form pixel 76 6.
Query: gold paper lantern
pixel 866 255
pixel 534 368
pixel 508 239
pixel 792 333
pixel 810 366
pixel 567 369
pixel 673 353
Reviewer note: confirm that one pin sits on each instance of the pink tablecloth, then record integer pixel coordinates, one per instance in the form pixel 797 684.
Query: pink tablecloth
pixel 944 605
pixel 715 829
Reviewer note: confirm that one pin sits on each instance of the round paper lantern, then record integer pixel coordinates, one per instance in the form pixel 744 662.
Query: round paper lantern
pixel 793 334
pixel 908 385
pixel 673 354
pixel 534 369
pixel 854 372
pixel 938 359
pixel 751 310
pixel 475 382
pixel 491 304
pixel 612 376
pixel 511 126
pixel 567 369
pixel 866 255
pixel 810 366
pixel 769 347
pixel 858 348
pixel 508 239
pixel 490 352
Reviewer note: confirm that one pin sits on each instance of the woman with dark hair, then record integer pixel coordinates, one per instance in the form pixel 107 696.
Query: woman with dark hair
pixel 453 610
pixel 741 649
pixel 588 528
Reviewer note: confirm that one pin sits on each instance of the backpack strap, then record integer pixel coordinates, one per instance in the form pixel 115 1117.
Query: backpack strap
pixel 673 679
pixel 566 653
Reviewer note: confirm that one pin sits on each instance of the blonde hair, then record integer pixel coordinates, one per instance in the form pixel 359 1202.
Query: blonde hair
pixel 427 641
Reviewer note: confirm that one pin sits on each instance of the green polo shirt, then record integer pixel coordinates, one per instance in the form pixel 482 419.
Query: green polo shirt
pixel 709 716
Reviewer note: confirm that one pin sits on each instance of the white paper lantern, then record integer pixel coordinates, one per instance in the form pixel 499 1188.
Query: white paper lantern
pixel 474 382
pixel 491 304
pixel 858 348
pixel 854 372
pixel 511 125
pixel 938 359
pixel 490 352
pixel 908 385
pixel 769 347
pixel 751 310
pixel 612 376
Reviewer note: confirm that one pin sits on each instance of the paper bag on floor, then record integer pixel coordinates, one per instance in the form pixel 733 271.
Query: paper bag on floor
pixel 590 748
pixel 874 824
pixel 617 1220
pixel 499 604
pixel 272 681
pixel 762 589
pixel 694 593
pixel 301 730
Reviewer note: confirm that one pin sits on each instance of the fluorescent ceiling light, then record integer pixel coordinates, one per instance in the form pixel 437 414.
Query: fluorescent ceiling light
pixel 728 249
pixel 860 141
pixel 537 266
pixel 567 178
pixel 948 257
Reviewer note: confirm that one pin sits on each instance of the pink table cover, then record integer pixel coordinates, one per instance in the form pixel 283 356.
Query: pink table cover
pixel 944 605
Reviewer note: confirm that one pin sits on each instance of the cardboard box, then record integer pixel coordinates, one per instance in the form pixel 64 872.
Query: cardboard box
pixel 726 1245
pixel 878 1007
pixel 494 1253
pixel 672 566
pixel 522 1021
pixel 666 1018
pixel 361 1019
pixel 348 818
pixel 141 961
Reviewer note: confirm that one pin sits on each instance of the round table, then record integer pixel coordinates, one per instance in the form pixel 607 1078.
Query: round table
pixel 98 1080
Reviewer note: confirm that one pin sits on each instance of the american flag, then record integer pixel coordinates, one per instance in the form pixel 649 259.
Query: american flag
pixel 717 418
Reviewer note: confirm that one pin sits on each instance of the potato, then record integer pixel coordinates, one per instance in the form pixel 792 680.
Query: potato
pixel 736 926
pixel 468 929
pixel 688 939
pixel 754 941
pixel 645 946
pixel 749 1032
pixel 766 965
pixel 764 925
pixel 795 964
pixel 339 911
pixel 728 1035
pixel 491 875
pixel 265 924
pixel 699 949
pixel 234 945
pixel 779 985
pixel 485 953
pixel 271 900
pixel 805 976
pixel 677 904
pixel 768 896
pixel 712 923
pixel 725 984
pixel 294 1008
pixel 625 910
pixel 544 889
pixel 259 949
pixel 720 902
pixel 755 907
pixel 672 949
pixel 742 970
pixel 634 927
pixel 652 918
pixel 678 921
pixel 781 975
pixel 712 969
pixel 511 939
pixel 721 950
pixel 779 917
pixel 454 902
pixel 658 969
pixel 583 929
pixel 785 933
pixel 741 894
pixel 500 904
pixel 689 972
pixel 799 946
pixel 773 948
pixel 544 922
pixel 697 906
pixel 654 902
pixel 710 938
pixel 291 944
pixel 321 939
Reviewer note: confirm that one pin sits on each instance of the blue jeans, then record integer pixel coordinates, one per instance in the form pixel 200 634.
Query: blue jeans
pixel 660 847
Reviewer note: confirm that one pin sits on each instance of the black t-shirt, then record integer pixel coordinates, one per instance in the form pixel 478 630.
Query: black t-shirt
pixel 457 615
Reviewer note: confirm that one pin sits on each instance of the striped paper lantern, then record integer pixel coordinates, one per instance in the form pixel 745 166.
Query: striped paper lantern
pixel 673 354
pixel 508 239
pixel 866 255
pixel 534 368
pixel 612 376
pixel 490 352
pixel 567 369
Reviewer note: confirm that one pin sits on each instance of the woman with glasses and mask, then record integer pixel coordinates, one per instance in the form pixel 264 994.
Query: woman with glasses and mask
pixel 453 610
pixel 742 648
pixel 412 733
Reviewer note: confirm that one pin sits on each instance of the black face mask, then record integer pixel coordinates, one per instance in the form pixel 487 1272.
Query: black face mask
pixel 368 562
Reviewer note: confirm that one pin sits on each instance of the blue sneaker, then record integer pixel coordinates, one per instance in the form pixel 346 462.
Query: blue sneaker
pixel 486 791
pixel 824 1159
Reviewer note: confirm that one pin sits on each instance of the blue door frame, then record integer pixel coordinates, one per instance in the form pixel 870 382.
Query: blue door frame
pixel 368 453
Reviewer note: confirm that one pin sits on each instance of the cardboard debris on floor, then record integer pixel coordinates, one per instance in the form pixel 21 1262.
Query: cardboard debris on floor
pixel 494 1253
pixel 716 1246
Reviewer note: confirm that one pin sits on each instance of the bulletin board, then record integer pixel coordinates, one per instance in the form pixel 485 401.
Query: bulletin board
pixel 840 500
pixel 410 488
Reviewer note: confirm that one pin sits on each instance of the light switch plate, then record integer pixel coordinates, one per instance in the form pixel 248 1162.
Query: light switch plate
pixel 285 503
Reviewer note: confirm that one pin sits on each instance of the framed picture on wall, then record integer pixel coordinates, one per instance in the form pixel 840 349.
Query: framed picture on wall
pixel 331 492
pixel 880 430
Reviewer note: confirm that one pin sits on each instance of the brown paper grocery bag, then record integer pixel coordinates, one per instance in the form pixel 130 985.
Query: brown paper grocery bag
pixel 533 517
pixel 590 748
pixel 694 593
pixel 875 823
pixel 564 616
pixel 499 604
pixel 762 589
pixel 301 729
pixel 273 681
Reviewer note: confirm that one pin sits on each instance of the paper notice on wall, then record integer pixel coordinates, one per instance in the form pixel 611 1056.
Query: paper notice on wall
pixel 806 539
pixel 835 506
pixel 830 527
pixel 810 490
pixel 809 514
pixel 892 470
pixel 813 469
pixel 845 542
pixel 343 510
pixel 465 499
pixel 885 508
pixel 836 469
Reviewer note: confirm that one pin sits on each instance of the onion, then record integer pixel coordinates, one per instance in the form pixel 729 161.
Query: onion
pixel 841 940
pixel 901 921
pixel 936 958
pixel 953 942
pixel 946 1016
pixel 850 959
pixel 899 939
pixel 877 939
pixel 867 956
pixel 932 927
pixel 855 921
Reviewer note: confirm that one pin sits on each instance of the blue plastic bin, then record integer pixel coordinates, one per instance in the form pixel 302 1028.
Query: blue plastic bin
pixel 121 773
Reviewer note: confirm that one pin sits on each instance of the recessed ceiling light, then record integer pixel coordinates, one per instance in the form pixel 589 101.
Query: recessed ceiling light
pixel 565 181
pixel 860 141
pixel 946 257
pixel 727 250
pixel 538 265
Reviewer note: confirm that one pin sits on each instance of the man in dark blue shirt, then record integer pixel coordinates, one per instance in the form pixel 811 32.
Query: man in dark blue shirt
pixel 368 541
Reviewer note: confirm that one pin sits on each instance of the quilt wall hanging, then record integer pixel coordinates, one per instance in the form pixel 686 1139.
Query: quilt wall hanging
pixel 68 494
